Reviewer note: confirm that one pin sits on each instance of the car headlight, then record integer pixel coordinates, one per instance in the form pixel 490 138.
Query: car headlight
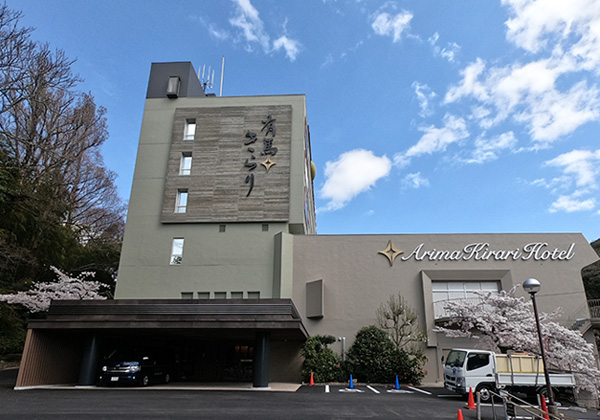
pixel 460 382
pixel 134 369
pixel 103 368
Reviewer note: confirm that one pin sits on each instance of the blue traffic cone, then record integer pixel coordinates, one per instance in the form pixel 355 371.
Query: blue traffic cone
pixel 351 386
pixel 397 383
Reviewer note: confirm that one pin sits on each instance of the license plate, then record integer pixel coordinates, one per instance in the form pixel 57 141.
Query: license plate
pixel 114 379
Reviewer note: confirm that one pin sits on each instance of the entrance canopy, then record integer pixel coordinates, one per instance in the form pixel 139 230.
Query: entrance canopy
pixel 54 345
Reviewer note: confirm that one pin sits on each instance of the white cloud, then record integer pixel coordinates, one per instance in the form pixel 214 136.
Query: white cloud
pixel 534 23
pixel 424 95
pixel 570 204
pixel 392 25
pixel 433 39
pixel 555 114
pixel 354 172
pixel 470 85
pixel 489 149
pixel 528 94
pixel 248 21
pixel 289 45
pixel 415 181
pixel 437 139
pixel 580 169
pixel 449 52
pixel 583 165
pixel 550 95
pixel 217 33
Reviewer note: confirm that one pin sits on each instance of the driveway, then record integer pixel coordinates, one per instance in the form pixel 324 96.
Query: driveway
pixel 314 403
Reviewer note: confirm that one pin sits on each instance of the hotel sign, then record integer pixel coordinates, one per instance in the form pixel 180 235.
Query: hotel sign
pixel 482 251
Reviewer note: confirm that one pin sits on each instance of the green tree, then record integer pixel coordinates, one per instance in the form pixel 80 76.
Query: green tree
pixel 321 360
pixel 374 358
pixel 58 202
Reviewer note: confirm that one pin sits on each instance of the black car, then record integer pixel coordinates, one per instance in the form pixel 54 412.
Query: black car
pixel 131 367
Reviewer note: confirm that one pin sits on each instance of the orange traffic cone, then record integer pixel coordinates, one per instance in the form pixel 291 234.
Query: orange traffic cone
pixel 312 380
pixel 545 408
pixel 471 401
pixel 460 417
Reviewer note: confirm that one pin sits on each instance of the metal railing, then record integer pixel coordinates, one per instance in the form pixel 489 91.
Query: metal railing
pixel 511 406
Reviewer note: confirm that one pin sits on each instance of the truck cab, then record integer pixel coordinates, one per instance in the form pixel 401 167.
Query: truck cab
pixel 464 369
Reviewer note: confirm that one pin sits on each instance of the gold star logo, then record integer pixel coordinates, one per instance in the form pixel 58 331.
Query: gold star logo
pixel 268 163
pixel 390 252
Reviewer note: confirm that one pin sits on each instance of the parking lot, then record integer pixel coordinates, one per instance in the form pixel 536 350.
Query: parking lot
pixel 175 402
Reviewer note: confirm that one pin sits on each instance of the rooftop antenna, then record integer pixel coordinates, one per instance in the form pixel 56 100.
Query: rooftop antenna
pixel 222 71
pixel 207 78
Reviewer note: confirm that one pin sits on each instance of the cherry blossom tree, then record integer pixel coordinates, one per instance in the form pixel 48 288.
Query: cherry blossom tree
pixel 41 294
pixel 504 322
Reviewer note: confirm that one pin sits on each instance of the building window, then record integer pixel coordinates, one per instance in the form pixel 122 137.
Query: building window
pixel 253 295
pixel 220 295
pixel 444 291
pixel 177 251
pixel 222 228
pixel 185 165
pixel 237 295
pixel 173 87
pixel 187 295
pixel 181 201
pixel 190 129
pixel 265 227
pixel 203 295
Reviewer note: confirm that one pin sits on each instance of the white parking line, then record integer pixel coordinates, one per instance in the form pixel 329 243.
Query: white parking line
pixel 372 389
pixel 326 388
pixel 419 390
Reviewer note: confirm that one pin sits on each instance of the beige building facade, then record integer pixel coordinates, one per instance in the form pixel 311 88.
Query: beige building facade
pixel 222 265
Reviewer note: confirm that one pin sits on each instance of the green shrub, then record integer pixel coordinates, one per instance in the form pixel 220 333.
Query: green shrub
pixel 373 358
pixel 321 360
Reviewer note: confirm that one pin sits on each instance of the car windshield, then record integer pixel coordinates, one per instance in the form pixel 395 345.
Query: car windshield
pixel 124 356
pixel 456 358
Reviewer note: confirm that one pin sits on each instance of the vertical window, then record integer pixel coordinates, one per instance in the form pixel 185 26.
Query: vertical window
pixel 173 87
pixel 185 165
pixel 222 228
pixel 190 129
pixel 177 251
pixel 181 201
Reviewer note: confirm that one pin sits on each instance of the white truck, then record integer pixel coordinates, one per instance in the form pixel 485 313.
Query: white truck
pixel 484 371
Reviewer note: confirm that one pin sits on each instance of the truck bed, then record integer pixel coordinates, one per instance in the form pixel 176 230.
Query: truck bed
pixel 533 379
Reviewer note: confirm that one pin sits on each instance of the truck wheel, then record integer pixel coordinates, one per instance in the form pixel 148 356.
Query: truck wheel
pixel 485 392
pixel 544 393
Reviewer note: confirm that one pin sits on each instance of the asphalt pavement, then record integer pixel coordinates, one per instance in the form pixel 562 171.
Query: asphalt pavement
pixel 306 402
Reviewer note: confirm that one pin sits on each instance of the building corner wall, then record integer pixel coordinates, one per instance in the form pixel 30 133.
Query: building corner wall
pixel 283 266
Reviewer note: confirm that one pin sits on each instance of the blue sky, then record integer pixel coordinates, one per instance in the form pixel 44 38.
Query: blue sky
pixel 426 116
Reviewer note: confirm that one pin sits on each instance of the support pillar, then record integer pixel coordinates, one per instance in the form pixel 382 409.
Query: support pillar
pixel 89 362
pixel 261 360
